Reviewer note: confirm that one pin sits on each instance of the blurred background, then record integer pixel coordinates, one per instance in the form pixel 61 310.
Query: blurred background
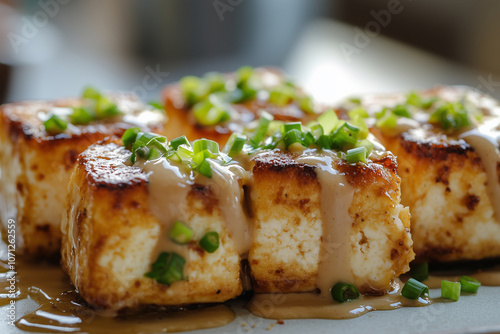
pixel 52 48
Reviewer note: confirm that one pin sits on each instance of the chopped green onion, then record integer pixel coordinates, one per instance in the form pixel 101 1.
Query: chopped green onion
pixel 194 89
pixel 469 284
pixel 104 108
pixel 306 104
pixel 345 136
pixel 235 144
pixel 356 155
pixel 205 144
pixel 293 136
pixel 386 119
pixel 282 95
pixel 154 153
pixel 81 115
pixel 168 268
pixel 180 233
pixel 55 124
pixel 264 121
pixel 413 289
pixel 157 105
pixel 450 116
pixel 206 113
pixel 420 271
pixel 366 144
pixel 244 73
pixel 205 169
pixel 358 112
pixel 416 100
pixel 344 292
pixel 215 81
pixel 450 290
pixel 210 242
pixel 402 111
pixel 323 142
pixel 290 126
pixel 176 142
pixel 129 136
pixel 329 121
pixel 91 93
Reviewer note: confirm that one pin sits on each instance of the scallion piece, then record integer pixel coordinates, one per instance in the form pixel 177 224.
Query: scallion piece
pixel 413 289
pixel 356 155
pixel 291 137
pixel 157 105
pixel 235 144
pixel 129 136
pixel 168 268
pixel 366 144
pixel 358 112
pixel 329 121
pixel 201 145
pixel 344 292
pixel 323 142
pixel 282 95
pixel 306 104
pixel 469 284
pixel 215 81
pixel 176 142
pixel 345 136
pixel 104 108
pixel 55 125
pixel 420 271
pixel 180 233
pixel 81 115
pixel 206 113
pixel 401 111
pixel 91 93
pixel 290 126
pixel 388 120
pixel 264 121
pixel 210 242
pixel 204 168
pixel 194 89
pixel 450 290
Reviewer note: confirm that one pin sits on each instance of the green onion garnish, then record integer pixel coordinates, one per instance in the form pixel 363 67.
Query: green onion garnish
pixel 55 124
pixel 450 116
pixel 260 133
pixel 193 88
pixel 306 104
pixel 345 136
pixel 356 155
pixel 358 112
pixel 157 105
pixel 91 93
pixel 235 144
pixel 344 292
pixel 291 126
pixel 413 289
pixel 207 113
pixel 168 268
pixel 129 137
pixel 291 137
pixel 81 115
pixel 180 233
pixel 469 284
pixel 210 242
pixel 282 95
pixel 450 290
pixel 420 271
pixel 176 142
pixel 329 121
pixel 401 111
pixel 386 119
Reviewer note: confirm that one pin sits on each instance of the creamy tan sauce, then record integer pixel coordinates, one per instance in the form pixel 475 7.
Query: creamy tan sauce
pixel 168 188
pixel 309 305
pixel 51 305
pixel 336 198
pixel 485 141
pixel 225 182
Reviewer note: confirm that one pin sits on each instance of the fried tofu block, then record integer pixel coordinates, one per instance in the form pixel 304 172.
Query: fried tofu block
pixel 35 166
pixel 286 200
pixel 110 238
pixel 444 181
pixel 182 122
